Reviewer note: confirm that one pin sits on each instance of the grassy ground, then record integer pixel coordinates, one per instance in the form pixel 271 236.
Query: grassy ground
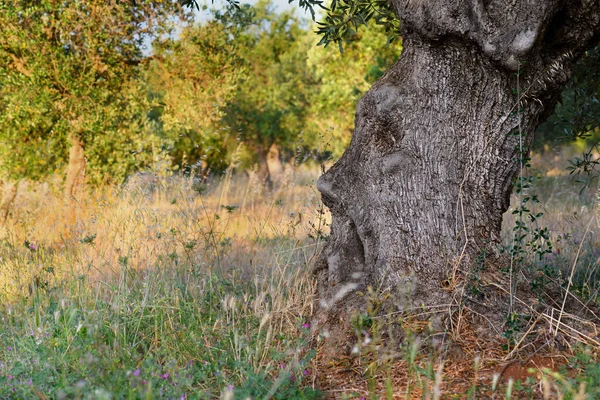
pixel 170 288
pixel 159 291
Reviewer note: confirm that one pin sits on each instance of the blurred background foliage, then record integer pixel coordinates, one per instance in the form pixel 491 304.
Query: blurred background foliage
pixel 137 82
pixel 576 121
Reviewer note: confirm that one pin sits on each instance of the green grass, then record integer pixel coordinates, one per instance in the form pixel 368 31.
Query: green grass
pixel 160 333
pixel 147 298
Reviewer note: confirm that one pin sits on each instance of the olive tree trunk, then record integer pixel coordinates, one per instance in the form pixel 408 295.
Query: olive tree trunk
pixel 274 165
pixel 8 199
pixel 75 169
pixel 420 192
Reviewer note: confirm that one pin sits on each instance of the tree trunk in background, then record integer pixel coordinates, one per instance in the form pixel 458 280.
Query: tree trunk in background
pixel 420 192
pixel 270 168
pixel 263 168
pixel 76 168
pixel 8 198
pixel 274 165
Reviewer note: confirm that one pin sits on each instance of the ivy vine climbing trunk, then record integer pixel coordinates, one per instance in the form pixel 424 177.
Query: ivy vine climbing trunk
pixel 419 194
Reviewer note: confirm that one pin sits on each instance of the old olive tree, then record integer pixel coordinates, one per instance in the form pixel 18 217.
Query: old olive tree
pixel 417 198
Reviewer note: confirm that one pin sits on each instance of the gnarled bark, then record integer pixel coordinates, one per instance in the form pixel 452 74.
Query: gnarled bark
pixel 421 190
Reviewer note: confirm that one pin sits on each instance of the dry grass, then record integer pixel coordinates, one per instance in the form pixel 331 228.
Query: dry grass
pixel 209 283
pixel 235 253
pixel 222 227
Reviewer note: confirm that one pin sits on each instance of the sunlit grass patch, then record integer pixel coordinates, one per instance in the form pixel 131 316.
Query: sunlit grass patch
pixel 164 293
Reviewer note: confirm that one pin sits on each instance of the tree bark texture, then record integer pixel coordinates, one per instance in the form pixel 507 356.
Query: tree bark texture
pixel 421 190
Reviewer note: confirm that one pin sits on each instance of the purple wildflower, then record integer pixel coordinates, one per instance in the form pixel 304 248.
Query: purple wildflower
pixel 306 325
pixel 136 372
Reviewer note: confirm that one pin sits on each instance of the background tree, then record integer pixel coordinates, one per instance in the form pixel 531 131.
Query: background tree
pixel 192 78
pixel 577 114
pixel 269 109
pixel 576 118
pixel 343 78
pixel 69 78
